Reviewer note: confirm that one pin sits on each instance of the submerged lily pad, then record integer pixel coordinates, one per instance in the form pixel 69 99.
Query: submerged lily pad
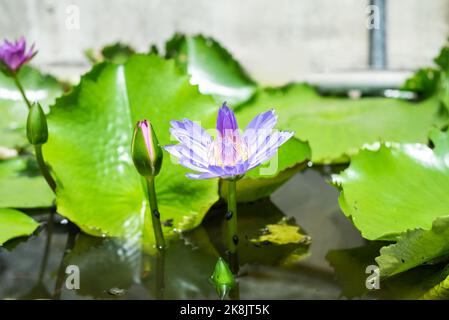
pixel 396 188
pixel 337 128
pixel 212 68
pixel 414 248
pixel 90 133
pixel 14 223
pixel 281 234
pixel 260 228
pixel 22 186
pixel 13 110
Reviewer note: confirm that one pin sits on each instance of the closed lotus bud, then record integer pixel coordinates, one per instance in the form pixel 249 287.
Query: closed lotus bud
pixel 37 131
pixel 222 278
pixel 146 151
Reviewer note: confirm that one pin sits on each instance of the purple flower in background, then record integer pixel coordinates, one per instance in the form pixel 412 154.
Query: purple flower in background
pixel 14 55
pixel 231 154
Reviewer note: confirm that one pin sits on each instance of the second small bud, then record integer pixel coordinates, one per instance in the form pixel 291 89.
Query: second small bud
pixel 37 131
pixel 146 151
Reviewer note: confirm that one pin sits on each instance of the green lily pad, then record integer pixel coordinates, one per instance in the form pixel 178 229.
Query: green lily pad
pixel 337 128
pixel 22 186
pixel 13 110
pixel 90 133
pixel 14 223
pixel 262 181
pixel 414 248
pixel 116 52
pixel 212 68
pixel 396 188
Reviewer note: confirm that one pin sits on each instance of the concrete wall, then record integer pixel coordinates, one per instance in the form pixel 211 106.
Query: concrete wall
pixel 276 40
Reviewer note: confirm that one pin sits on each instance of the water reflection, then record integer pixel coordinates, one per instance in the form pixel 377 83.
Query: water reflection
pixel 272 266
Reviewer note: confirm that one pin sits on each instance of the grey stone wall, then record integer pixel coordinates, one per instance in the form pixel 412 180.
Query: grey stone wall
pixel 276 40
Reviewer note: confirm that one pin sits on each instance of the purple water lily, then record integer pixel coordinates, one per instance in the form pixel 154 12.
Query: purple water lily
pixel 14 55
pixel 231 154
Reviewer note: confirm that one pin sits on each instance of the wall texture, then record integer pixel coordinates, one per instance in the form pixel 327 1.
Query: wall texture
pixel 276 40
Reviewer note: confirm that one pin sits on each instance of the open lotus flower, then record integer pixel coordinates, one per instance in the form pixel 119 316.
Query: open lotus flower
pixel 231 153
pixel 14 55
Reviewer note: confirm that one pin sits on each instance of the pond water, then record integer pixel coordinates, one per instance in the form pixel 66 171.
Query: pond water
pixel 34 267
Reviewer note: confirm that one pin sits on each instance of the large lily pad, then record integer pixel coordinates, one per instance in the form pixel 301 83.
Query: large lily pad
pixel 90 133
pixel 337 128
pixel 14 223
pixel 414 248
pixel 212 68
pixel 396 188
pixel 13 110
pixel 22 186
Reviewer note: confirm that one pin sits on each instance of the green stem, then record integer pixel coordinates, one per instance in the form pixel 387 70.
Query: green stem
pixel 22 91
pixel 47 247
pixel 231 216
pixel 160 275
pixel 43 167
pixel 155 216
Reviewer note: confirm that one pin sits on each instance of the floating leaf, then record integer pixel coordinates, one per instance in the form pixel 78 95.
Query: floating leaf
pixel 22 186
pixel 262 181
pixel 396 188
pixel 13 110
pixel 414 248
pixel 281 234
pixel 212 68
pixel 14 223
pixel 90 133
pixel 338 127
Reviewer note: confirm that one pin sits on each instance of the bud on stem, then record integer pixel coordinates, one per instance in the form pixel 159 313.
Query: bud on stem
pixel 147 157
pixel 37 131
pixel 222 278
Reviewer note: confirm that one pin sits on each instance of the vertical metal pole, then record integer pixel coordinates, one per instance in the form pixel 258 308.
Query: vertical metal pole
pixel 377 40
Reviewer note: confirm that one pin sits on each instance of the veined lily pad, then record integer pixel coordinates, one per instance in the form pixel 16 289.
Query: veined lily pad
pixel 22 186
pixel 396 188
pixel 13 110
pixel 14 223
pixel 212 68
pixel 414 248
pixel 90 133
pixel 337 128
